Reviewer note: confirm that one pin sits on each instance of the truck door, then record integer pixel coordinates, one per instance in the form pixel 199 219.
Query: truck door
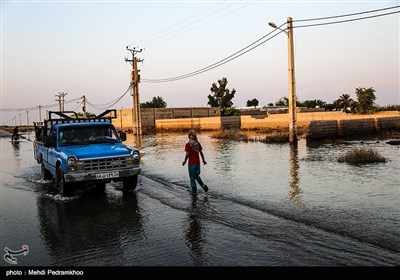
pixel 52 152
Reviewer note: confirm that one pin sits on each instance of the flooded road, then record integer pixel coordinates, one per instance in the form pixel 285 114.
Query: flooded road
pixel 268 205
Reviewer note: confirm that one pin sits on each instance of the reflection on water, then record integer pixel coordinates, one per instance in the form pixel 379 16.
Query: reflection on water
pixel 222 151
pixel 353 201
pixel 75 229
pixel 193 232
pixel 16 149
pixel 294 192
pixel 250 216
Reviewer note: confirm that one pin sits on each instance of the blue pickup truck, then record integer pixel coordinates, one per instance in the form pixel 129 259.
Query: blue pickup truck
pixel 84 153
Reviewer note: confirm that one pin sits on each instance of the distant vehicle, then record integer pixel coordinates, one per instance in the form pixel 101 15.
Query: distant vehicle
pixel 83 153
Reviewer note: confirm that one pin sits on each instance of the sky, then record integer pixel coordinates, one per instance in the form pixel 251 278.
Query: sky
pixel 78 48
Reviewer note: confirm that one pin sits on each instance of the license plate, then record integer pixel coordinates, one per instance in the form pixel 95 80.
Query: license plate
pixel 107 175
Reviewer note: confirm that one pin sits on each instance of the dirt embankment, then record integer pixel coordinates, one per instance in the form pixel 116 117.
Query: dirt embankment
pixel 6 131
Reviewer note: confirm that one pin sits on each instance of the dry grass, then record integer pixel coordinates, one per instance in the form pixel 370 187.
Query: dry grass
pixel 231 134
pixel 361 156
pixel 276 137
pixel 273 137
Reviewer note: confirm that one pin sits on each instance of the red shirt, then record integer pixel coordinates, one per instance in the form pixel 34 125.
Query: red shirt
pixel 194 157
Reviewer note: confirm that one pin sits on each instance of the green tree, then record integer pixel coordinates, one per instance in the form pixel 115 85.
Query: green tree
pixel 253 102
pixel 310 103
pixel 365 99
pixel 283 101
pixel 156 102
pixel 330 107
pixel 344 101
pixel 80 115
pixel 353 106
pixel 320 103
pixel 232 111
pixel 221 96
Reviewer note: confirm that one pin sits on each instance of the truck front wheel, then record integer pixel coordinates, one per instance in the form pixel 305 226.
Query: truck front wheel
pixel 130 183
pixel 64 188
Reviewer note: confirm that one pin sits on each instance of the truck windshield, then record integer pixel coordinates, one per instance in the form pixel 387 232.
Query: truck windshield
pixel 83 135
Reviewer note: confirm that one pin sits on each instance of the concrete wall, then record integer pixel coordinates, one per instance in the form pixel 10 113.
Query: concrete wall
pixel 312 124
pixel 150 117
pixel 388 123
pixel 231 122
pixel 356 127
pixel 209 123
pixel 322 129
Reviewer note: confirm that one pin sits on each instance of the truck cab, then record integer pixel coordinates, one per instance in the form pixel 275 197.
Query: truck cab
pixel 82 153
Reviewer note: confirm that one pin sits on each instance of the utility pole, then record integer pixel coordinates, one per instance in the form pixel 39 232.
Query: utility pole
pixel 84 106
pixel 291 81
pixel 61 100
pixel 292 86
pixel 135 80
pixel 27 117
pixel 40 113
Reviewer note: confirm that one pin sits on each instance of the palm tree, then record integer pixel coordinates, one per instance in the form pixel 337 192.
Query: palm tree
pixel 344 101
pixel 365 99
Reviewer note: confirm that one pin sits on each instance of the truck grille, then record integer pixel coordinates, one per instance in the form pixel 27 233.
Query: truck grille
pixel 107 163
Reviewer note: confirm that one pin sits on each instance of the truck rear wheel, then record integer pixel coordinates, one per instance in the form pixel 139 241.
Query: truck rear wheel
pixel 130 183
pixel 45 174
pixel 64 188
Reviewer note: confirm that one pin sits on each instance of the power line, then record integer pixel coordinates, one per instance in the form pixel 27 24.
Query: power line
pixel 108 66
pixel 227 59
pixel 108 104
pixel 219 63
pixel 200 25
pixel 242 52
pixel 143 41
pixel 111 64
pixel 347 20
pixel 348 15
pixel 37 107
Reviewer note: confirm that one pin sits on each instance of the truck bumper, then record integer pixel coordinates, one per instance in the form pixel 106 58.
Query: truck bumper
pixel 113 175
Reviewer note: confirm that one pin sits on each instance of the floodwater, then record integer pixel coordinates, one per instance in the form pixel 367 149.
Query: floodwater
pixel 267 205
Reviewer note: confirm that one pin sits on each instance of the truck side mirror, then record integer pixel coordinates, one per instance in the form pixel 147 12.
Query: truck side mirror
pixel 122 135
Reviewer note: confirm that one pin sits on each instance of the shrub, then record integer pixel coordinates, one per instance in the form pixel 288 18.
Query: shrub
pixel 282 137
pixel 231 134
pixel 361 155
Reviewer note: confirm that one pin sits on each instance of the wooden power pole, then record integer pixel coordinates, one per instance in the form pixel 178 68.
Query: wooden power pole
pixel 61 100
pixel 135 80
pixel 84 106
pixel 292 85
pixel 291 81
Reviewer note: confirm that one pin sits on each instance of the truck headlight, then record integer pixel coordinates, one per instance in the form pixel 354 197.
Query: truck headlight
pixel 135 157
pixel 71 161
